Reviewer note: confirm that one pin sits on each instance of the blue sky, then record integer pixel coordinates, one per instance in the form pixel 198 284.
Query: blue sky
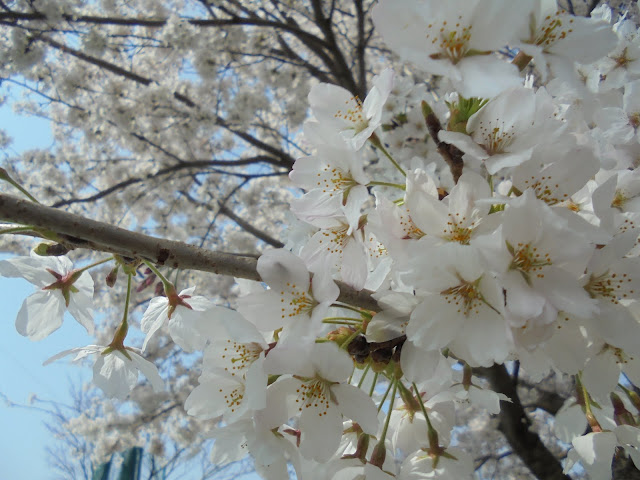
pixel 24 436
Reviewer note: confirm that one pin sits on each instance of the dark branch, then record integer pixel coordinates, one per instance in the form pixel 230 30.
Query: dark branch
pixel 100 236
pixel 164 171
pixel 514 424
pixel 247 227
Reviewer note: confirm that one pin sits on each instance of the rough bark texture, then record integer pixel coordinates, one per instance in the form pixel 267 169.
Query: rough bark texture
pixel 75 231
pixel 514 424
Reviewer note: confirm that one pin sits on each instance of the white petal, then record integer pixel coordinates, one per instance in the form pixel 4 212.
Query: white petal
pixel 596 451
pixel 40 315
pixel 600 376
pixel 149 370
pixel 331 362
pixel 321 432
pixel 33 269
pixel 279 267
pixel 115 375
pixel 355 404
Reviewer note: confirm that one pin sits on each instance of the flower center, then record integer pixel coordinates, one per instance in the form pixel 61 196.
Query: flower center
pixel 465 296
pixel 528 259
pixel 298 303
pixel 234 397
pixel 452 43
pixel 410 229
pixel 494 139
pixel 314 393
pixel 552 30
pixel 335 180
pixel 622 60
pixel 354 114
pixel 609 286
pixel 545 191
pixel 240 356
pixel 619 199
pixel 335 238
pixel 455 232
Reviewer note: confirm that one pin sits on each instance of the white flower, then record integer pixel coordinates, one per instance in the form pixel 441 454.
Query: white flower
pixel 293 302
pixel 539 259
pixel 505 131
pixel 319 395
pixel 453 38
pixel 620 125
pixel 185 315
pixel 613 280
pixel 452 464
pixel 115 371
pixel 453 219
pixel 338 246
pixel 557 40
pixel 461 306
pixel 233 380
pixel 595 450
pixel 354 119
pixel 60 288
pixel 333 178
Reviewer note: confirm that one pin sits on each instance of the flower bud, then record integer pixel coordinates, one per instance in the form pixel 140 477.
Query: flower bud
pixel 340 335
pixel 51 250
pixel 378 455
pixel 112 276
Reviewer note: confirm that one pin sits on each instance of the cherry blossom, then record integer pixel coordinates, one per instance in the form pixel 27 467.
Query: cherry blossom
pixel 115 371
pixel 356 120
pixel 320 396
pixel 453 39
pixel 492 218
pixel 61 288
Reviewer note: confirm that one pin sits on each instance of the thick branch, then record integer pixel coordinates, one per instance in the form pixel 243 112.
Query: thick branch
pixel 85 233
pixel 514 424
pixel 451 154
pixel 341 70
pixel 360 48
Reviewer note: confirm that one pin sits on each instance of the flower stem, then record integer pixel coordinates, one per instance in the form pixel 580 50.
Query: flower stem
pixel 353 309
pixel 364 374
pixel 388 419
pixel 166 283
pixel 373 384
pixel 375 141
pixel 384 398
pixel 5 176
pixel 432 434
pixel 16 229
pixel 121 332
pixel 593 422
pixel 387 184
pixel 342 320
pixel 95 264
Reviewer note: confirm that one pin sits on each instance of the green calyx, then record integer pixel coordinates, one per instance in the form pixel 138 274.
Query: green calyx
pixel 64 283
pixel 461 111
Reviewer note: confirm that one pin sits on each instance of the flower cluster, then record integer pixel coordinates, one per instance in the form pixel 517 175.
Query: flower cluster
pixel 506 231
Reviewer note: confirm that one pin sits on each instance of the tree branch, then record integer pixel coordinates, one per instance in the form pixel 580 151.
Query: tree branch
pixel 164 171
pixel 256 21
pixel 82 232
pixel 514 424
pixel 247 227
pixel 287 160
